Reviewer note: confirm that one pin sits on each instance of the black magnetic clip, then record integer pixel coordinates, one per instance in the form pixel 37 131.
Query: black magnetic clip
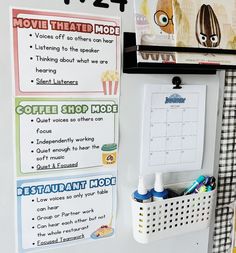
pixel 177 82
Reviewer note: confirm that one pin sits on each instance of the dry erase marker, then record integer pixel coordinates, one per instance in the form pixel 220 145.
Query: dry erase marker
pixel 142 195
pixel 200 188
pixel 191 189
pixel 212 183
pixel 158 191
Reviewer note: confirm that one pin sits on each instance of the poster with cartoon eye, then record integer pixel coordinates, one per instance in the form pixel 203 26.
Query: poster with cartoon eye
pixel 154 24
pixel 205 24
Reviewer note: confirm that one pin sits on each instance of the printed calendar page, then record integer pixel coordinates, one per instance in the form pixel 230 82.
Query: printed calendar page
pixel 173 128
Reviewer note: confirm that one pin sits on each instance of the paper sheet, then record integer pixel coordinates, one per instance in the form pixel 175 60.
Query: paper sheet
pixel 173 128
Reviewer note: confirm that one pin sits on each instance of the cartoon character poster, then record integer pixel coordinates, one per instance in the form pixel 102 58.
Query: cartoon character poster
pixel 205 24
pixel 154 22
pixel 207 28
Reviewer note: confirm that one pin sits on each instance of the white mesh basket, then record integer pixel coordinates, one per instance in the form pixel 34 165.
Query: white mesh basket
pixel 171 217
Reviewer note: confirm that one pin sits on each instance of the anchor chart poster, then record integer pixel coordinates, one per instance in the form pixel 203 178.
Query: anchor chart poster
pixel 65 134
pixel 62 52
pixel 66 210
pixel 66 87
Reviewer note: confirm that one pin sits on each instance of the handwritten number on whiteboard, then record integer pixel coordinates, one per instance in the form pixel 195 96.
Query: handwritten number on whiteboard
pixel 68 1
pixel 99 3
pixel 122 4
pixel 102 4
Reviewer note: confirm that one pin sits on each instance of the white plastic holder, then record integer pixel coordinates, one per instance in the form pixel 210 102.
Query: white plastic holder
pixel 172 217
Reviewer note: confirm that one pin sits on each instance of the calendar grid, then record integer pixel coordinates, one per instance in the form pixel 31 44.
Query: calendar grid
pixel 169 126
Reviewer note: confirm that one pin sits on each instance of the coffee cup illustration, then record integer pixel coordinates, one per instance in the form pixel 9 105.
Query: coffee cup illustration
pixel 109 153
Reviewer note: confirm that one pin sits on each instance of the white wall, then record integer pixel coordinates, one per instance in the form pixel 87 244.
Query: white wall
pixel 130 113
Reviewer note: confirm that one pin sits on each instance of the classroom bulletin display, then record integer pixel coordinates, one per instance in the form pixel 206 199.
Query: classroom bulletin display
pixel 66 102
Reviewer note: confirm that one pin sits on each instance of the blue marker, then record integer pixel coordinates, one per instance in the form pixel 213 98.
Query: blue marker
pixel 194 185
pixel 142 195
pixel 209 188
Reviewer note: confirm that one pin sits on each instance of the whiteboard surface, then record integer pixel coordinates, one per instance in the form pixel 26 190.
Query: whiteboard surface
pixel 130 136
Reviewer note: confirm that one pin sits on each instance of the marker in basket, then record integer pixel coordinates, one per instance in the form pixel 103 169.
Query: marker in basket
pixel 207 185
pixel 191 189
pixel 142 195
pixel 201 188
pixel 212 182
pixel 158 192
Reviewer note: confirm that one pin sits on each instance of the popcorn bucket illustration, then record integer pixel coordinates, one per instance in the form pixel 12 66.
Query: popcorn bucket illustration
pixel 109 154
pixel 110 82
